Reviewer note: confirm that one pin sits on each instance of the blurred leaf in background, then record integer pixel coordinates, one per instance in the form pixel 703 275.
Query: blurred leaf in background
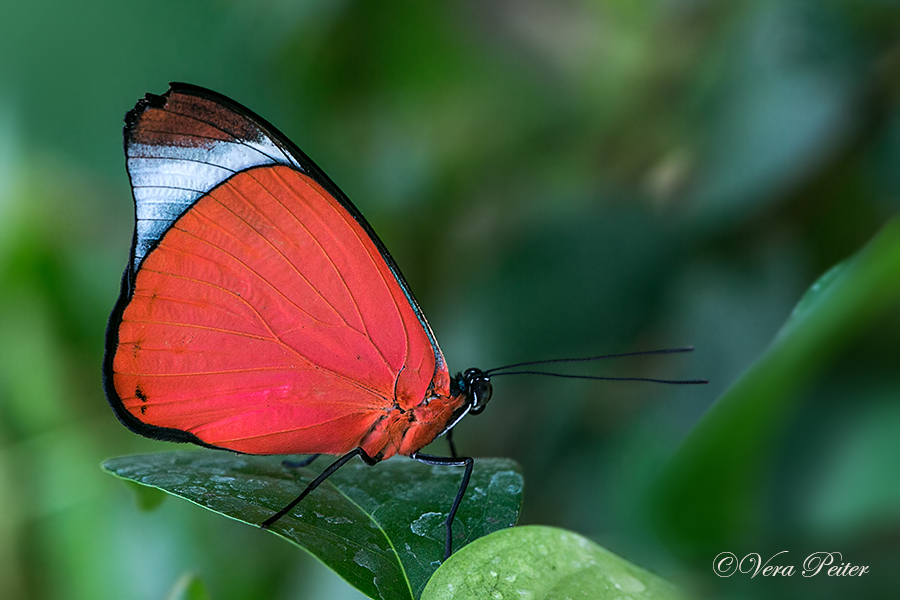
pixel 554 179
pixel 731 457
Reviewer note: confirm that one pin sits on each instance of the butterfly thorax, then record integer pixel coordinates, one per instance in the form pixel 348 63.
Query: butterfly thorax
pixel 405 431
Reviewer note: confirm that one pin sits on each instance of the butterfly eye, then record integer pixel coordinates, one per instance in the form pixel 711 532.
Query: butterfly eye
pixel 479 388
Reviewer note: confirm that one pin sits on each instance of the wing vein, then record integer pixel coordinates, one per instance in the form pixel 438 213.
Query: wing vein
pixel 231 135
pixel 274 338
pixel 193 326
pixel 342 214
pixel 335 267
pixel 278 250
pixel 181 159
pixel 165 187
pixel 271 431
pixel 252 270
pixel 234 139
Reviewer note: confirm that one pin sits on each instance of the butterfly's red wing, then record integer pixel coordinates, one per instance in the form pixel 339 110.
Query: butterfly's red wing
pixel 259 312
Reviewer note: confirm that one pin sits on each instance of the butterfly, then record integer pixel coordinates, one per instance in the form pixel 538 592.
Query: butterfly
pixel 260 313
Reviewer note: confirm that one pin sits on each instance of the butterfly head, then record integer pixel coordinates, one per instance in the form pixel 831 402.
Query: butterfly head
pixel 476 385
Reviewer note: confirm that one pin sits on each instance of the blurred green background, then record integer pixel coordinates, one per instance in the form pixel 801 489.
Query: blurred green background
pixel 554 179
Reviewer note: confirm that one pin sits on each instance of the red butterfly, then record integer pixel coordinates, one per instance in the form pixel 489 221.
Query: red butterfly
pixel 260 313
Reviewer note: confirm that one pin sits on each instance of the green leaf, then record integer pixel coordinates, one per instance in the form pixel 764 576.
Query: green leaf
pixel 542 563
pixel 380 528
pixel 711 494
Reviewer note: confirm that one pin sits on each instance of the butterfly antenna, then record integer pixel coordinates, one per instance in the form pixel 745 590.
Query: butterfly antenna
pixel 590 358
pixel 506 369
pixel 550 374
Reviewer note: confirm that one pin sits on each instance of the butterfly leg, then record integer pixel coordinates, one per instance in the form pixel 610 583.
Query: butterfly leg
pixel 456 461
pixel 449 436
pixel 318 480
pixel 299 464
